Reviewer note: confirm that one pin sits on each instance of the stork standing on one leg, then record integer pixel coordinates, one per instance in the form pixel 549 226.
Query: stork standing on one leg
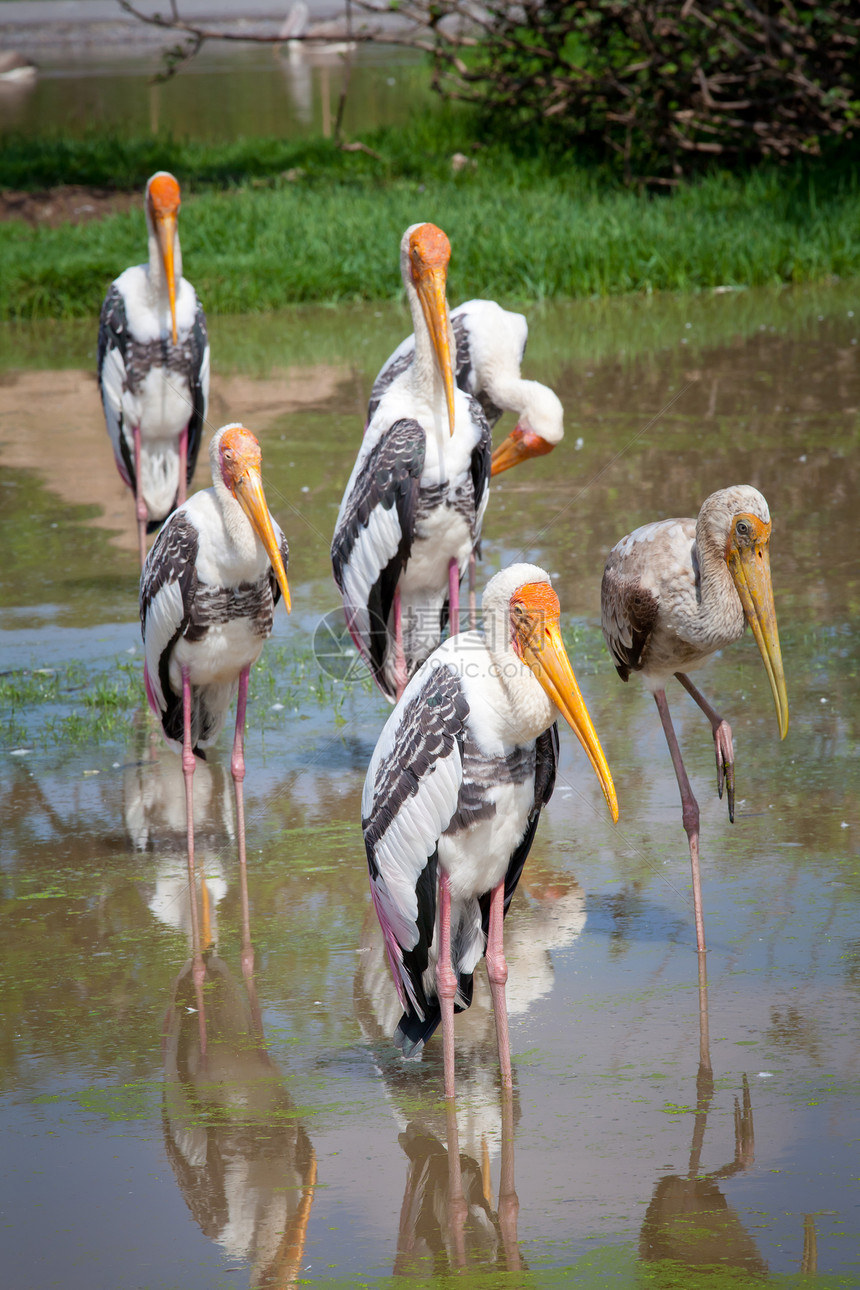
pixel 452 799
pixel 674 592
pixel 412 511
pixel 207 597
pixel 153 367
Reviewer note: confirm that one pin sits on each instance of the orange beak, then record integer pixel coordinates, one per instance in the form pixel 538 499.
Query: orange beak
pixel 430 285
pixel 248 490
pixel 749 566
pixel 519 446
pixel 165 229
pixel 539 644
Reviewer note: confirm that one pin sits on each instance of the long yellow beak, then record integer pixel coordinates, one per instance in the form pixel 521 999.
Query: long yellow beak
pixel 165 228
pixel 519 446
pixel 750 570
pixel 431 292
pixel 252 499
pixel 543 651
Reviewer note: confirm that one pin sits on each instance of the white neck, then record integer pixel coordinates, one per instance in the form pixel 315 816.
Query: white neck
pixel 528 711
pixel 238 528
pixel 719 600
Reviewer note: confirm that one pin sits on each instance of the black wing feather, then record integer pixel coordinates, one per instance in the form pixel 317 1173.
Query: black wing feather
pixel 273 581
pixel 546 761
pixel 391 477
pixel 114 334
pixel 173 558
pixel 432 722
pixel 481 464
pixel 197 341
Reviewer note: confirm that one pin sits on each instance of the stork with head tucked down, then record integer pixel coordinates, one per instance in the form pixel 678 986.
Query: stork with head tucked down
pixel 452 799
pixel 153 367
pixel 490 346
pixel 412 511
pixel 674 592
pixel 207 597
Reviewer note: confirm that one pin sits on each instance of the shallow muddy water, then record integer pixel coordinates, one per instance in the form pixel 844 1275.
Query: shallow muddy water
pixel 658 1125
pixel 226 92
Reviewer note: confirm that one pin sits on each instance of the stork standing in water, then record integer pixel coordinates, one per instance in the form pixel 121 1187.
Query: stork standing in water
pixel 490 346
pixel 674 592
pixel 207 597
pixel 412 511
pixel 452 799
pixel 153 367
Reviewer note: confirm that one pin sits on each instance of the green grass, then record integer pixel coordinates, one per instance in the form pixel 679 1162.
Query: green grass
pixel 76 705
pixel 522 228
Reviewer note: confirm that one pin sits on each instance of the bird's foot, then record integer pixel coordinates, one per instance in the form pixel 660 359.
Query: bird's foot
pixel 725 754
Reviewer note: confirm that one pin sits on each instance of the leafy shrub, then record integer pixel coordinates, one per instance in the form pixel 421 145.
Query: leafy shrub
pixel 661 85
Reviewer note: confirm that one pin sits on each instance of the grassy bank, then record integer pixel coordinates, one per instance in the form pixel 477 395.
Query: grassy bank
pixel 267 223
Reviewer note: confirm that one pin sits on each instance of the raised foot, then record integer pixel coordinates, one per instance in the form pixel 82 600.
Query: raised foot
pixel 725 754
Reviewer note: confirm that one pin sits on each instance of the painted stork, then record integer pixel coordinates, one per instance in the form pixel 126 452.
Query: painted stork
pixel 452 799
pixel 674 592
pixel 490 346
pixel 411 515
pixel 207 597
pixel 153 367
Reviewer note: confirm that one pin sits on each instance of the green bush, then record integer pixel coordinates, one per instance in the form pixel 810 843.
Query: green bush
pixel 659 85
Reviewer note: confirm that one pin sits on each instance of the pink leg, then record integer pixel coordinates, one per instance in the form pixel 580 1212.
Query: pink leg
pixel 457 1208
pixel 509 1203
pixel 400 677
pixel 237 767
pixel 690 814
pixel 139 504
pixel 453 597
pixel 497 971
pixel 188 766
pixel 183 466
pixel 446 982
pixel 723 746
pixel 473 609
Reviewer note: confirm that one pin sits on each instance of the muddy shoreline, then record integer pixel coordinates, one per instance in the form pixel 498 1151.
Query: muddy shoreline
pixel 65 204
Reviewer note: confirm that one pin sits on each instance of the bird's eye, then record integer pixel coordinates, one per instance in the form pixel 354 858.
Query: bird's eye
pixel 742 529
pixel 228 454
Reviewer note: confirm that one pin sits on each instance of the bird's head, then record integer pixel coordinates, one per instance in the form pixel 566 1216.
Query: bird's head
pixel 540 426
pixel 237 459
pixel 747 528
pixel 425 253
pixel 162 209
pixel 534 635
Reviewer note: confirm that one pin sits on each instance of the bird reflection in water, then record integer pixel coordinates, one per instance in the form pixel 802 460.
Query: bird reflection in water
pixel 689 1221
pixel 447 1219
pixel 244 1163
pixel 154 810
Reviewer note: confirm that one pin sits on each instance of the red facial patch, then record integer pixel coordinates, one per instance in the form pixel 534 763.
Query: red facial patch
pixel 164 194
pixel 538 607
pixel 239 451
pixel 429 248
